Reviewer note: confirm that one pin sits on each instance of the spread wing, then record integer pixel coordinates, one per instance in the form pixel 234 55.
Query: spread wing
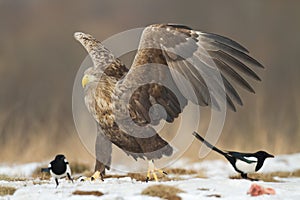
pixel 175 64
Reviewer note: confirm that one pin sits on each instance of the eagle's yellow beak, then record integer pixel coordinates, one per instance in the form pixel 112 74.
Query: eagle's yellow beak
pixel 85 80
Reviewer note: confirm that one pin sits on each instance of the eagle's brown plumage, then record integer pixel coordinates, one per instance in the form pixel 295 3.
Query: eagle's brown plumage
pixel 120 99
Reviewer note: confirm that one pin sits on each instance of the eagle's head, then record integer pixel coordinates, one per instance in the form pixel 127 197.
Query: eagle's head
pixel 91 75
pixel 85 80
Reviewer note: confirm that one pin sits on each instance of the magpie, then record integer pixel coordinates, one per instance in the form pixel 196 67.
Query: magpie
pixel 59 168
pixel 243 163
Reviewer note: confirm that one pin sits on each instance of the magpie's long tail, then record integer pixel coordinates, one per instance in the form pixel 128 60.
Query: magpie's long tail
pixel 45 170
pixel 209 145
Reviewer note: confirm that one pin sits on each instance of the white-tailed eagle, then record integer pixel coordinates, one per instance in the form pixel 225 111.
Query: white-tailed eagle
pixel 120 98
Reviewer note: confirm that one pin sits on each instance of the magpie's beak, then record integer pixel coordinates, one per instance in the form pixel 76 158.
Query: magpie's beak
pixel 270 156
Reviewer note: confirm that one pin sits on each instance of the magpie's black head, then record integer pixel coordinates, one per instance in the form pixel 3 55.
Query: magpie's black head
pixel 59 157
pixel 263 154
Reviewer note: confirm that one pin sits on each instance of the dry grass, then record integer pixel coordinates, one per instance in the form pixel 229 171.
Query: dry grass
pixel 214 195
pixel 81 192
pixel 4 177
pixel 7 190
pixel 201 174
pixel 180 171
pixel 39 182
pixel 162 177
pixel 270 177
pixel 163 191
pixel 140 177
pixel 41 175
pixel 114 176
pixel 79 168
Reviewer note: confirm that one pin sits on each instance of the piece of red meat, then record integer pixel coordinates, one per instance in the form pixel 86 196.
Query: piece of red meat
pixel 256 190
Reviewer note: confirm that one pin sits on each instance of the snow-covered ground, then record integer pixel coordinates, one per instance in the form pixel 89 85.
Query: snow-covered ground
pixel 218 183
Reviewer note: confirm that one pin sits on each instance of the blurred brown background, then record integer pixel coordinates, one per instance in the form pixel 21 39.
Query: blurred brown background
pixel 39 59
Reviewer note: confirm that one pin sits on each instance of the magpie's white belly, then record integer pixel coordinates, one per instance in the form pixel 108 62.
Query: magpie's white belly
pixel 245 167
pixel 58 176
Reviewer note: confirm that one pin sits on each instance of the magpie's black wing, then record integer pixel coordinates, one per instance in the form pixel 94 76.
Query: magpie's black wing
pixel 246 157
pixel 45 170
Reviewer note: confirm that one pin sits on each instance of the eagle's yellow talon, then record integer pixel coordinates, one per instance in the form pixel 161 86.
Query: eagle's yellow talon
pixel 95 176
pixel 155 177
pixel 152 170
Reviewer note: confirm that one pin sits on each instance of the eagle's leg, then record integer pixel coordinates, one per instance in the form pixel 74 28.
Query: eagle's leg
pixel 99 171
pixel 103 149
pixel 152 170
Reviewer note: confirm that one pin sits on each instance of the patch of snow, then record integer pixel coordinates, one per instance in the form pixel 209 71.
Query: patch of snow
pixel 214 168
pixel 284 163
pixel 23 170
pixel 126 189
